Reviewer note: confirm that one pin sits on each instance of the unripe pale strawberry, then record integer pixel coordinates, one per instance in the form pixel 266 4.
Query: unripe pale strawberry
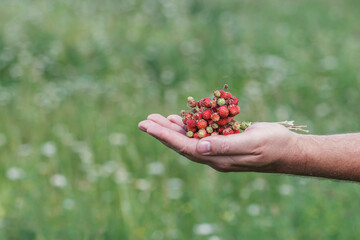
pixel 217 93
pixel 221 101
pixel 214 134
pixel 202 133
pixel 236 126
pixel 209 129
pixel 215 117
pixel 214 125
pixel 201 124
pixel 189 99
pixel 223 111
pixel 207 114
pixel 190 134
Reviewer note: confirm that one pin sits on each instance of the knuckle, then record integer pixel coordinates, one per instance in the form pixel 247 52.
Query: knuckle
pixel 223 147
pixel 172 116
pixel 183 150
pixel 153 116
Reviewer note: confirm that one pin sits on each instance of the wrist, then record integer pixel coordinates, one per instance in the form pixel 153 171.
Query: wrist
pixel 296 157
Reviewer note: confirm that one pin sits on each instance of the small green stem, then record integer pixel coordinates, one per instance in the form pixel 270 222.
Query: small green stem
pixel 288 124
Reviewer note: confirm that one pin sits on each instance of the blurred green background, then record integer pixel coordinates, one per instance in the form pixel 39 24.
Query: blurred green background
pixel 77 76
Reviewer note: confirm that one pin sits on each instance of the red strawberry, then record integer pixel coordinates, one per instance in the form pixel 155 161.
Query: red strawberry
pixel 215 117
pixel 212 104
pixel 202 133
pixel 234 100
pixel 222 122
pixel 236 131
pixel 228 131
pixel 188 115
pixel 230 119
pixel 196 135
pixel 234 110
pixel 223 111
pixel 191 123
pixel 221 129
pixel 201 124
pixel 206 102
pixel 189 129
pixel 222 93
pixel 227 95
pixel 192 104
pixel 200 103
pixel 197 116
pixel 207 114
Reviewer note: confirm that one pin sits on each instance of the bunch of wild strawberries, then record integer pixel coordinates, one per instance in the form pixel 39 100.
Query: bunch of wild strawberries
pixel 210 117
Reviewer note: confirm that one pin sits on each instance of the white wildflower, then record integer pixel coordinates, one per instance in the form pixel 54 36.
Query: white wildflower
pixel 58 180
pixel 15 173
pixel 253 209
pixel 48 149
pixel 155 168
pixel 204 228
pixel 174 188
pixel 142 184
pixel 286 189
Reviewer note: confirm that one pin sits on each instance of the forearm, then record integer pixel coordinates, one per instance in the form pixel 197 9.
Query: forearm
pixel 332 156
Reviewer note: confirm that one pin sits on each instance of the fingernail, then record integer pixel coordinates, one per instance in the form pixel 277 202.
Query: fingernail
pixel 204 147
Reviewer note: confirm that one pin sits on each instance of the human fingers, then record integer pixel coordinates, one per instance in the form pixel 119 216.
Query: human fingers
pixel 236 144
pixel 173 138
pixel 159 119
pixel 177 120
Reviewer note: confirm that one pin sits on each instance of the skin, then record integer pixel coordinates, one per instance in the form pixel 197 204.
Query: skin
pixel 263 147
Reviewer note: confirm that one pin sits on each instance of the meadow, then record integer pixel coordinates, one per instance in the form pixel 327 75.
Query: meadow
pixel 76 77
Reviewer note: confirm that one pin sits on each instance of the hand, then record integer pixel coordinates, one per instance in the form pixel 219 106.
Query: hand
pixel 262 147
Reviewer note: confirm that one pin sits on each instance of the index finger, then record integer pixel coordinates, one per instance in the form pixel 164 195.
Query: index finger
pixel 180 142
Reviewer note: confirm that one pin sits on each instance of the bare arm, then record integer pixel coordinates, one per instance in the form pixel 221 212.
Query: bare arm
pixel 331 156
pixel 263 147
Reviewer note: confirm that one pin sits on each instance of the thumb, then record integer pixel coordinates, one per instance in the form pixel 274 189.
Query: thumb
pixel 234 144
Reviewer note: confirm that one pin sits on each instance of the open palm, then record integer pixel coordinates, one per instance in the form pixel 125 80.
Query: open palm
pixel 261 147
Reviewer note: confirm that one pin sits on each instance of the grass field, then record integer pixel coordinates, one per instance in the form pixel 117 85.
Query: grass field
pixel 77 76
